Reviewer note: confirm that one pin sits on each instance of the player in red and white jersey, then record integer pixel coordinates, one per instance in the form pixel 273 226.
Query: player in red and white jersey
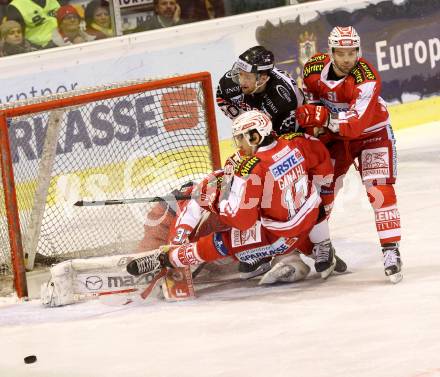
pixel 269 200
pixel 346 86
pixel 278 177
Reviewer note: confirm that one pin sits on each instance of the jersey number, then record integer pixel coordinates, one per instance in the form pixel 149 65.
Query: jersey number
pixel 295 195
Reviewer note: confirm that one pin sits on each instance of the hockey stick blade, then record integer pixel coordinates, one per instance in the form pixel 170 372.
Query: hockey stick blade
pixel 150 199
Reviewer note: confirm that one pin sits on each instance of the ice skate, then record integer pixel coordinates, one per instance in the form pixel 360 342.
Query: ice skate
pixel 254 268
pixel 286 270
pixel 325 261
pixel 143 265
pixel 341 266
pixel 392 262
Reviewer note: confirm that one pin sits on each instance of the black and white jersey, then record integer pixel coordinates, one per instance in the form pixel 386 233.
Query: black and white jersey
pixel 279 100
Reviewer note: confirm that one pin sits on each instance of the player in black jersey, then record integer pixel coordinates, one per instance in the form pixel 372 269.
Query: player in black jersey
pixel 254 83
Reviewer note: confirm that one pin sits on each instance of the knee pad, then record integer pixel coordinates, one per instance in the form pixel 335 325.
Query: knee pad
pixel 381 196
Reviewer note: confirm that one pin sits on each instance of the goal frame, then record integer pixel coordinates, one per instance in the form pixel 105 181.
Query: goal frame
pixel 11 204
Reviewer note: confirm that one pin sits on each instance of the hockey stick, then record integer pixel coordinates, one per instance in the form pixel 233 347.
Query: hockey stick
pixel 149 199
pixel 147 291
pixel 198 270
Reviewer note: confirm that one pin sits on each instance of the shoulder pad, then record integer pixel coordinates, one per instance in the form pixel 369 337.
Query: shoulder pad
pixel 281 86
pixel 362 72
pixel 277 71
pixel 246 165
pixel 314 65
pixel 291 135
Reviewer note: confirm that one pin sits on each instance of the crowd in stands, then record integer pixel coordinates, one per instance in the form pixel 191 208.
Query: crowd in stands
pixel 30 25
pixel 176 12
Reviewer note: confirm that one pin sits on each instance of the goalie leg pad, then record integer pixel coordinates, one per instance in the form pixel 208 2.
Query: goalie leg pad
pixel 59 290
pixel 83 279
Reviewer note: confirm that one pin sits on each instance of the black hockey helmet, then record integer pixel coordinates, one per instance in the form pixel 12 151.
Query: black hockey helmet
pixel 256 60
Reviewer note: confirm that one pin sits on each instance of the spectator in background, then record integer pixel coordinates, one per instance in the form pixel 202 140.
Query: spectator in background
pixel 166 14
pixel 245 6
pixel 12 39
pixel 98 21
pixel 3 6
pixel 199 10
pixel 37 18
pixel 69 31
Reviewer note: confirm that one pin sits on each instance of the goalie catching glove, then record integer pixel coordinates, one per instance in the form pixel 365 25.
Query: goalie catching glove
pixel 312 116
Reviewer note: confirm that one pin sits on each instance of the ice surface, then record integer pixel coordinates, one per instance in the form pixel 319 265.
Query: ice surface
pixel 357 324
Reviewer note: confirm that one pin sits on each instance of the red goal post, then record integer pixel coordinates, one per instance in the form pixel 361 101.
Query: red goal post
pixel 116 141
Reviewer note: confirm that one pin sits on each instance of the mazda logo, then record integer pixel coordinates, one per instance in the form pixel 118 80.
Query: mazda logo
pixel 93 283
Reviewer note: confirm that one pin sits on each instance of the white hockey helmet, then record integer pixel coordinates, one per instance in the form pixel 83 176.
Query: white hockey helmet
pixel 344 37
pixel 250 121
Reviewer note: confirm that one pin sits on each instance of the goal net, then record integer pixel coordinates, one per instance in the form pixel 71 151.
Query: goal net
pixel 124 141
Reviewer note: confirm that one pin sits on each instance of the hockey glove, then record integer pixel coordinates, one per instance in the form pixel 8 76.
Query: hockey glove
pixel 208 191
pixel 311 116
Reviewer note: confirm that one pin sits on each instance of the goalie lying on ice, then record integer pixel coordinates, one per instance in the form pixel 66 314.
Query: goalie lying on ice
pixel 265 238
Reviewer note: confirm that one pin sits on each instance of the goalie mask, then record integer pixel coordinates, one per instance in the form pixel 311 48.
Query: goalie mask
pixel 245 126
pixel 344 37
pixel 255 60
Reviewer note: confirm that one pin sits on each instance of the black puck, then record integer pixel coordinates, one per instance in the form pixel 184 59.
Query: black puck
pixel 30 359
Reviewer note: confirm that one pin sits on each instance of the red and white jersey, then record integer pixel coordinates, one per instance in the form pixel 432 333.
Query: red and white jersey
pixel 275 186
pixel 355 97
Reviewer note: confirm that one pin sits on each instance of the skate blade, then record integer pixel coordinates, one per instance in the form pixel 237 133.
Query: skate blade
pixel 341 266
pixel 326 273
pixel 396 278
pixel 262 269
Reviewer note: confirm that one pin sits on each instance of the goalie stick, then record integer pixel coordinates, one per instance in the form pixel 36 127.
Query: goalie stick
pixel 148 199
